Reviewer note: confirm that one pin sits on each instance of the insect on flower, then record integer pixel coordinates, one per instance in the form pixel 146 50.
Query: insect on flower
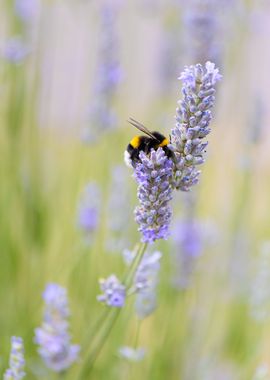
pixel 152 140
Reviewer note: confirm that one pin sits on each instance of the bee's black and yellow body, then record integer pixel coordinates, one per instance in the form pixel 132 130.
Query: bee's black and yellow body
pixel 145 144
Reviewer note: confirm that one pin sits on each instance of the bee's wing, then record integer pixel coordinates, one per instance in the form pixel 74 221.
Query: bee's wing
pixel 141 127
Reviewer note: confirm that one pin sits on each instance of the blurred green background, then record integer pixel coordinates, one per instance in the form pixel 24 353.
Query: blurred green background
pixel 217 325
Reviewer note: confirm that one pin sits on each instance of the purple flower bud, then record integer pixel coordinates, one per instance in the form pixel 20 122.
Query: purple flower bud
pixel 89 209
pixel 16 361
pixel 114 293
pixel 15 51
pixel 27 9
pixel 53 337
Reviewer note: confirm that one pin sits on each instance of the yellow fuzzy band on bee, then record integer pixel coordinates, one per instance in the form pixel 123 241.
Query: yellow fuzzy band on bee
pixel 135 142
pixel 164 143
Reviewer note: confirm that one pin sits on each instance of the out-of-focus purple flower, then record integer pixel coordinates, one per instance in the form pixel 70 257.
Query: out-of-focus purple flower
pixel 192 122
pixel 188 237
pixel 27 10
pixel 154 177
pixel 109 73
pixel 53 337
pixel 15 51
pixel 128 256
pixel 88 218
pixel 16 361
pixel 114 293
pixel 101 113
pixel 188 241
pixel 169 54
pixel 147 273
pixel 145 282
pixel 89 209
pixel 191 236
pixel 202 30
pixel 146 303
pixel 132 354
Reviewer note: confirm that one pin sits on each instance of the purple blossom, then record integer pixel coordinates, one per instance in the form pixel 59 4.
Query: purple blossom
pixel 88 210
pixel 114 293
pixel 147 273
pixel 202 28
pixel 101 113
pixel 188 239
pixel 15 51
pixel 27 9
pixel 88 218
pixel 145 281
pixel 16 361
pixel 192 123
pixel 154 176
pixel 146 303
pixel 53 337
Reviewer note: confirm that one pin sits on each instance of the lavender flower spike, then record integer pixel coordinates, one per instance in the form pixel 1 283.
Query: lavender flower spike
pixel 16 361
pixel 193 117
pixel 154 176
pixel 114 293
pixel 53 337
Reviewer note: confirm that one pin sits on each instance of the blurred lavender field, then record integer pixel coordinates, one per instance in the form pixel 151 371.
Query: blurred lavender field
pixel 73 304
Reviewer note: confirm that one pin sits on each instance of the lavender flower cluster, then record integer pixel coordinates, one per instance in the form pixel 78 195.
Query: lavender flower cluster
pixel 114 293
pixel 193 117
pixel 101 113
pixel 144 284
pixel 156 173
pixel 53 337
pixel 202 28
pixel 16 362
pixel 154 177
pixel 27 10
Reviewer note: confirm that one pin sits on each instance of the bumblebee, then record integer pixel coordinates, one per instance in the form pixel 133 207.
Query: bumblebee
pixel 152 140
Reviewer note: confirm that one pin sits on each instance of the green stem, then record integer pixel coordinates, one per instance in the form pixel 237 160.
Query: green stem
pixel 62 375
pixel 138 329
pixel 91 358
pixel 106 328
pixel 99 322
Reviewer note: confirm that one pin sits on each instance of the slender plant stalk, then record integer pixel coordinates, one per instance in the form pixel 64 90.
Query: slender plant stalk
pixel 106 328
pixel 138 329
pixel 91 358
pixel 99 322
